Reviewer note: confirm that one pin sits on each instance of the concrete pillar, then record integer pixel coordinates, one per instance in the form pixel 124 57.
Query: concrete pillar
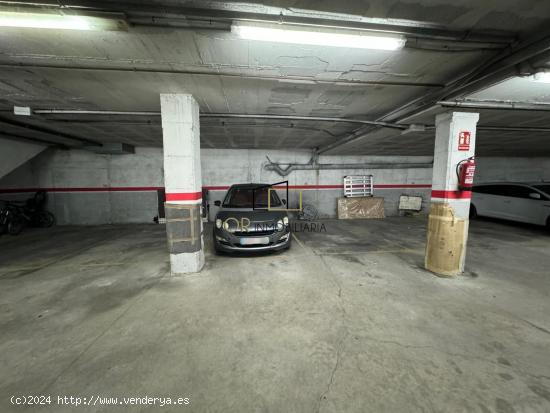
pixel 182 179
pixel 455 139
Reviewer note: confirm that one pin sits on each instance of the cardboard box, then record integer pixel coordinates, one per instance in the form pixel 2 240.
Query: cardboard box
pixel 361 208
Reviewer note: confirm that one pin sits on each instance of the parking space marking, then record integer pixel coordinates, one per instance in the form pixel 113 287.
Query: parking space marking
pixel 297 240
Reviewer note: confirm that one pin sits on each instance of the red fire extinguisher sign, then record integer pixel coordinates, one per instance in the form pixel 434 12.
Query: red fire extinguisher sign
pixel 464 141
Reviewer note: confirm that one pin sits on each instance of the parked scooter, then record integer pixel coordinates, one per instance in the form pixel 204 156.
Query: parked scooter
pixel 32 211
pixel 10 221
pixel 14 216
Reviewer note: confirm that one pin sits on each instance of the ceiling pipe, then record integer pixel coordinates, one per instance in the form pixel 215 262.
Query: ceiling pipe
pixel 305 118
pixel 512 129
pixel 223 115
pixel 502 105
pixel 503 128
pixel 313 165
pixel 93 112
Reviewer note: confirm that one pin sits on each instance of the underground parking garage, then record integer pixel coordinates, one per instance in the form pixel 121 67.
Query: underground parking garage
pixel 275 206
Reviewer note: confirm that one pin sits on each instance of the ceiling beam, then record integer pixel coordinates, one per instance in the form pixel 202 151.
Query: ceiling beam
pixel 527 55
pixel 47 131
pixel 297 79
pixel 222 115
pixel 16 137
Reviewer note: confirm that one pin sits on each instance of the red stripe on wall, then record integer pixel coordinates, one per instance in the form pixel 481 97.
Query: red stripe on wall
pixel 399 186
pixel 311 186
pixel 452 194
pixel 19 190
pixel 184 196
pixel 88 189
pixel 308 187
pixel 210 188
pixel 216 188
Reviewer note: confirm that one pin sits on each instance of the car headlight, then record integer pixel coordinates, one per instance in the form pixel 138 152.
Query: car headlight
pixel 218 223
pixel 226 225
pixel 280 225
pixel 285 220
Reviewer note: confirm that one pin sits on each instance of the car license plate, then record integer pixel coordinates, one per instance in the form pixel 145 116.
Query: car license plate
pixel 254 240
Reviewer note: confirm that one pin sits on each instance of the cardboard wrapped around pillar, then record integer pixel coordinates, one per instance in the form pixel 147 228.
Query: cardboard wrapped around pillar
pixel 446 245
pixel 361 208
pixel 183 228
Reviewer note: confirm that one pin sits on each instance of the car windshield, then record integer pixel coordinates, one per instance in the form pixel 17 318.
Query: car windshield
pixel 543 188
pixel 241 197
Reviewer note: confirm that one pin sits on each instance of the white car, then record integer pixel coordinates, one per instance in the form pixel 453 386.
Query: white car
pixel 523 202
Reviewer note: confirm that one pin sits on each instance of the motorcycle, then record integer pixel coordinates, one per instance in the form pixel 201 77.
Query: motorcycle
pixel 17 215
pixel 10 221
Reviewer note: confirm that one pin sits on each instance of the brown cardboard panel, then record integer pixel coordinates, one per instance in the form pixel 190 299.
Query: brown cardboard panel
pixel 361 207
pixel 445 246
pixel 183 228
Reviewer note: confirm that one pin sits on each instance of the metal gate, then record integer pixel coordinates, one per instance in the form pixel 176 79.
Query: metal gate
pixel 358 185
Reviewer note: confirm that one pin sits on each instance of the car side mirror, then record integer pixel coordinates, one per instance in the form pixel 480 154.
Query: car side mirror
pixel 284 201
pixel 218 203
pixel 534 195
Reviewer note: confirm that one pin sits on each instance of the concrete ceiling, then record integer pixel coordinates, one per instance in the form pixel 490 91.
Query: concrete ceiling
pixel 127 70
pixel 493 139
pixel 460 15
pixel 496 135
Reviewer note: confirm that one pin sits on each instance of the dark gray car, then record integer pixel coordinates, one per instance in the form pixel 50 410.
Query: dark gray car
pixel 248 220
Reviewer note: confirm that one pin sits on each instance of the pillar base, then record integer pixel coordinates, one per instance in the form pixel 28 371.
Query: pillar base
pixel 186 263
pixel 446 243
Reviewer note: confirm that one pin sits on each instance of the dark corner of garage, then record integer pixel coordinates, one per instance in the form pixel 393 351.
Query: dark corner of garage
pixel 275 206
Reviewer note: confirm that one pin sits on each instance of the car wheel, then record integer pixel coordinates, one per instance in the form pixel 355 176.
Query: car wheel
pixel 473 212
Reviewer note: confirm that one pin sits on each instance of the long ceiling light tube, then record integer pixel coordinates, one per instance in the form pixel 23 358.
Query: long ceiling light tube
pixel 56 19
pixel 318 36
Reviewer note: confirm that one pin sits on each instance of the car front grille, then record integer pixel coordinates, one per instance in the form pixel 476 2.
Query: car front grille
pixel 254 233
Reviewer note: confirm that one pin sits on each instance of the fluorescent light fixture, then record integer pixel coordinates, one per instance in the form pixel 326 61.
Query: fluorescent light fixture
pixel 53 20
pixel 22 111
pixel 356 39
pixel 542 77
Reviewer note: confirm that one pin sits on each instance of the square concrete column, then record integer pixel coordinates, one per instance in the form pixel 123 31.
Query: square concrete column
pixel 448 222
pixel 182 180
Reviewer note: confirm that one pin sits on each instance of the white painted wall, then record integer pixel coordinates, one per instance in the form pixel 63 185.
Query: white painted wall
pixel 226 167
pixel 500 169
pixel 79 169
pixel 74 170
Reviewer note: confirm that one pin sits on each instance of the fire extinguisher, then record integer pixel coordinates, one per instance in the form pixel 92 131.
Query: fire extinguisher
pixel 465 171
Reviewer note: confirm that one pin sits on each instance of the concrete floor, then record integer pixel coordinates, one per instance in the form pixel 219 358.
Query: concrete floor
pixel 346 321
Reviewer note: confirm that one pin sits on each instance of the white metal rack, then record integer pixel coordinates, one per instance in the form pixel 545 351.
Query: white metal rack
pixel 358 185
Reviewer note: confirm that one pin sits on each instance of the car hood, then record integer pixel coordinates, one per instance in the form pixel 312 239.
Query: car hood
pixel 256 215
